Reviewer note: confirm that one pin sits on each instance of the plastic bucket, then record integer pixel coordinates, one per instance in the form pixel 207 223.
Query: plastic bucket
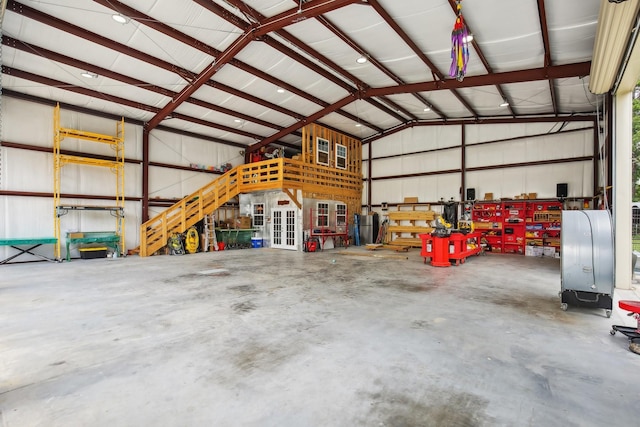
pixel 256 242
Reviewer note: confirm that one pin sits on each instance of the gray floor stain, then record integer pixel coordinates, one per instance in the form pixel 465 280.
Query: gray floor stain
pixel 420 324
pixel 441 408
pixel 243 307
pixel 245 289
pixel 261 357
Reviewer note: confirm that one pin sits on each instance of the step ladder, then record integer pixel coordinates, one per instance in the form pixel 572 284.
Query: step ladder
pixel 210 241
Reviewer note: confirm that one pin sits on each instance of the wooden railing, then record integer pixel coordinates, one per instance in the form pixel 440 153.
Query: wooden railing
pixel 259 176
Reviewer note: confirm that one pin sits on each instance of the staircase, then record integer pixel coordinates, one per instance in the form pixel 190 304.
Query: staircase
pixel 284 174
pixel 187 212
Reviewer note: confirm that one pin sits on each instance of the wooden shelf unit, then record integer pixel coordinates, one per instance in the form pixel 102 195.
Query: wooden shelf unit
pixel 408 222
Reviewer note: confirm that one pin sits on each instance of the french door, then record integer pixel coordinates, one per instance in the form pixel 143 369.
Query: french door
pixel 284 229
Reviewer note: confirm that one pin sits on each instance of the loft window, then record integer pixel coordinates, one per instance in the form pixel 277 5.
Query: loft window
pixel 323 215
pixel 341 214
pixel 322 151
pixel 258 214
pixel 341 156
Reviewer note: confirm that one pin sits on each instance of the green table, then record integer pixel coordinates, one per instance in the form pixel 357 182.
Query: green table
pixel 32 242
pixel 109 238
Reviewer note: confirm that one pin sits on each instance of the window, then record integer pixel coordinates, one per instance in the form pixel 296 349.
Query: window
pixel 323 215
pixel 322 151
pixel 341 156
pixel 341 215
pixel 258 215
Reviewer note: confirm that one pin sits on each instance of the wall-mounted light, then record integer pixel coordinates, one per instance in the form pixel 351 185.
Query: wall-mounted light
pixel 361 60
pixel 89 75
pixel 119 18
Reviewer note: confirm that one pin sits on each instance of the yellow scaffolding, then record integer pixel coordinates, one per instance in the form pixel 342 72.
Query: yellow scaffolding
pixel 116 165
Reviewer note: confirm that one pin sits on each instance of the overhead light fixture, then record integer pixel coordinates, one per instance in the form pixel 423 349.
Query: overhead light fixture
pixel 361 60
pixel 427 108
pixel 237 120
pixel 358 125
pixel 504 103
pixel 89 75
pixel 280 90
pixel 119 18
pixel 468 38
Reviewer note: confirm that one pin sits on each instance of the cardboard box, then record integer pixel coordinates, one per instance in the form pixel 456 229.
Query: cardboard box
pixel 243 222
pixel 533 251
pixel 75 235
pixel 411 200
pixel 488 196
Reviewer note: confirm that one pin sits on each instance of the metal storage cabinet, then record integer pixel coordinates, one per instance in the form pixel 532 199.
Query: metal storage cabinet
pixel 587 259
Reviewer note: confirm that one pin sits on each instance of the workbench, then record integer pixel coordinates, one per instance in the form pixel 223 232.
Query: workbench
pixel 324 233
pixel 109 238
pixel 31 242
pixel 455 247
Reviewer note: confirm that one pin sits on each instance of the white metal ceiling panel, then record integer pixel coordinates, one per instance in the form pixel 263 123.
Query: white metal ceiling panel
pixel 364 27
pixel 509 34
pixel 574 96
pixel 231 102
pixel 429 25
pixel 263 57
pixel 68 75
pixel 319 38
pixel 485 101
pixel 64 96
pixel 363 110
pixel 572 28
pixel 413 105
pixel 346 125
pixel 255 86
pixel 193 110
pixel 191 19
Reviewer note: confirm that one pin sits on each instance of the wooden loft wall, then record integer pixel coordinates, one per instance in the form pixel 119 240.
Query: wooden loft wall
pixel 310 134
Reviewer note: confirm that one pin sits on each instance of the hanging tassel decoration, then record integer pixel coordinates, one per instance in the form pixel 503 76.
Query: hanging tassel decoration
pixel 459 47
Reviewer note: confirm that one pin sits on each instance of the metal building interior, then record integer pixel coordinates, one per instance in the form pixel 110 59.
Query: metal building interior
pixel 223 108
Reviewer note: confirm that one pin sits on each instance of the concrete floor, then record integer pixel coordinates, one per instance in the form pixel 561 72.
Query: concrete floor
pixel 264 337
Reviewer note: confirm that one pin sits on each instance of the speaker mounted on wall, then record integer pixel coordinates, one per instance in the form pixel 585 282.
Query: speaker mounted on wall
pixel 471 193
pixel 562 190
